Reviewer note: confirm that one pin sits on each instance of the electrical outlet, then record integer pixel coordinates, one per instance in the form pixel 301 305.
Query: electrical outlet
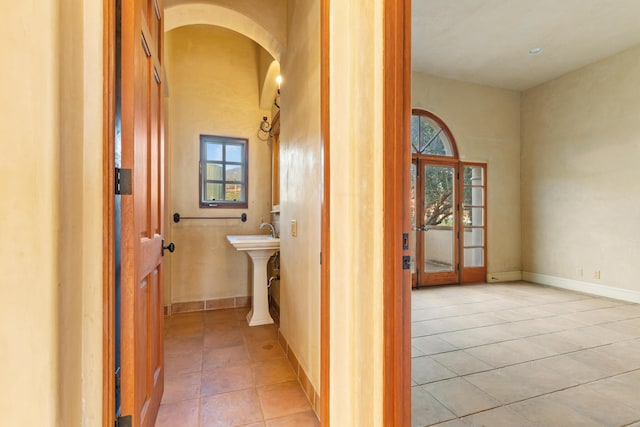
pixel 596 274
pixel 579 272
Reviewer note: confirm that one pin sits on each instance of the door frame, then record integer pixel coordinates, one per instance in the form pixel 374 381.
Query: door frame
pixel 325 240
pixel 397 158
pixel 108 203
pixel 396 399
pixel 396 170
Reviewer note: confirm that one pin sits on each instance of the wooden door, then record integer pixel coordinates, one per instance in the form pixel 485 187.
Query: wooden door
pixel 141 70
pixel 435 222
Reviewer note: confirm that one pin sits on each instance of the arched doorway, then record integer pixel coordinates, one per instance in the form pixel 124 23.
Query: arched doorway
pixel 447 207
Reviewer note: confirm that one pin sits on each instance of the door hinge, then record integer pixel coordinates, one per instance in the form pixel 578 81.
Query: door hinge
pixel 123 181
pixel 405 241
pixel 406 262
pixel 320 258
pixel 124 421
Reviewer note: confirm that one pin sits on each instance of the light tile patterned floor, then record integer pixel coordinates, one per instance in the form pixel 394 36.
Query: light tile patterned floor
pixel 520 354
pixel 219 372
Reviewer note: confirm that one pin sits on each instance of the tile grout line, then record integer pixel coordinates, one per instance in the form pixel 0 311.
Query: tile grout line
pixel 616 309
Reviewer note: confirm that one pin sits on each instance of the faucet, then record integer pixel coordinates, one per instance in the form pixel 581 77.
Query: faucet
pixel 273 230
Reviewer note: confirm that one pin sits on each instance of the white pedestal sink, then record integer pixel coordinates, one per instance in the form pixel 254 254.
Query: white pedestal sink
pixel 260 248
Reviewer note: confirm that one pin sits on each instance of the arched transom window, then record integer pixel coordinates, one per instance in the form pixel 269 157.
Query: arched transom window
pixel 430 136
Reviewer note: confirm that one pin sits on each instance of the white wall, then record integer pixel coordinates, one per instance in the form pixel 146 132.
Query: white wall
pixel 485 123
pixel 213 76
pixel 580 176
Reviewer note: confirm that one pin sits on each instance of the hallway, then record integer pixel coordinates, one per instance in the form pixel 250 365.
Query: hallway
pixel 519 354
pixel 222 373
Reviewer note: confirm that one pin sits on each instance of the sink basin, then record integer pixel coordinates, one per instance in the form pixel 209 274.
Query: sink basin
pixel 254 241
pixel 259 247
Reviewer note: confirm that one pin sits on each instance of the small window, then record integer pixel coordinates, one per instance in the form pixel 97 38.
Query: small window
pixel 223 172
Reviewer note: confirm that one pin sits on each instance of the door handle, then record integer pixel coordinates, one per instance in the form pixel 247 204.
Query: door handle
pixel 170 247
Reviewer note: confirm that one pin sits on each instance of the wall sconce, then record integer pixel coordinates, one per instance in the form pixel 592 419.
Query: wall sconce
pixel 277 98
pixel 264 131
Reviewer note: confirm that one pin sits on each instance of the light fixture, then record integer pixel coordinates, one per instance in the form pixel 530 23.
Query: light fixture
pixel 535 51
pixel 264 130
pixel 277 98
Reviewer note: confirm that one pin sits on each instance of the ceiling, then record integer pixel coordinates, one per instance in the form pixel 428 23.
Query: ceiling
pixel 488 41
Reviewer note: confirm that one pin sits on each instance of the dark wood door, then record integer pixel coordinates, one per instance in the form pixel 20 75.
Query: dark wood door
pixel 142 210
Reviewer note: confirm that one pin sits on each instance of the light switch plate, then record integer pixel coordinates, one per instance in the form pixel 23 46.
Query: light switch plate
pixel 294 227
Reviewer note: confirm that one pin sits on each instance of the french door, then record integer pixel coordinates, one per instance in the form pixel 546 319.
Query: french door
pixel 473 187
pixel 447 222
pixel 434 222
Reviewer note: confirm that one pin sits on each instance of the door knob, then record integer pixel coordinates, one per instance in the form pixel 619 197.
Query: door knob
pixel 170 247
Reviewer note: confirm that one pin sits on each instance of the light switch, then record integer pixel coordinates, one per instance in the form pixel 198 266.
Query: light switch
pixel 294 227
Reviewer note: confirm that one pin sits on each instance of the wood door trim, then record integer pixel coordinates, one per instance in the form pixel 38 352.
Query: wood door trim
pixel 396 164
pixel 325 303
pixel 108 203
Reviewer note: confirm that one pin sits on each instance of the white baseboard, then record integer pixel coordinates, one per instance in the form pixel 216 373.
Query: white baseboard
pixel 584 287
pixel 504 276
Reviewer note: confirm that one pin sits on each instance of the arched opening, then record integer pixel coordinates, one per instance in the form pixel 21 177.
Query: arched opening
pixel 219 16
pixel 446 208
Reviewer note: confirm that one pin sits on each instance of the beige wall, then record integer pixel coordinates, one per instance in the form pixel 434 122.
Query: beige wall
pixel 580 176
pixel 269 16
pixel 29 181
pixel 485 123
pixel 51 186
pixel 300 184
pixel 356 213
pixel 213 78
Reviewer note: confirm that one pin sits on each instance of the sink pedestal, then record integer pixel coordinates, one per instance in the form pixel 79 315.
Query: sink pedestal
pixel 259 248
pixel 259 314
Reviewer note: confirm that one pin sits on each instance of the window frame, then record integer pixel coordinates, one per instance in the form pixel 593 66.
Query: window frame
pixel 429 115
pixel 224 140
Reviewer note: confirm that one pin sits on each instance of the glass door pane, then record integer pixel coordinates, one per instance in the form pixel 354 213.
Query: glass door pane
pixel 473 222
pixel 412 213
pixel 438 219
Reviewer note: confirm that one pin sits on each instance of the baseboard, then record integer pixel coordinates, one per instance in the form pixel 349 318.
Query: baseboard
pixel 584 287
pixel 504 276
pixel 205 305
pixel 301 375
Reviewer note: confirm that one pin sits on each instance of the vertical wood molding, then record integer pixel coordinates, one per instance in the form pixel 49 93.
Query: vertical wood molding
pixel 108 269
pixel 325 307
pixel 396 168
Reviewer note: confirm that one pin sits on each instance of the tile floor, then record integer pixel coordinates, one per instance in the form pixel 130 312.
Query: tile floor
pixel 219 372
pixel 523 355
